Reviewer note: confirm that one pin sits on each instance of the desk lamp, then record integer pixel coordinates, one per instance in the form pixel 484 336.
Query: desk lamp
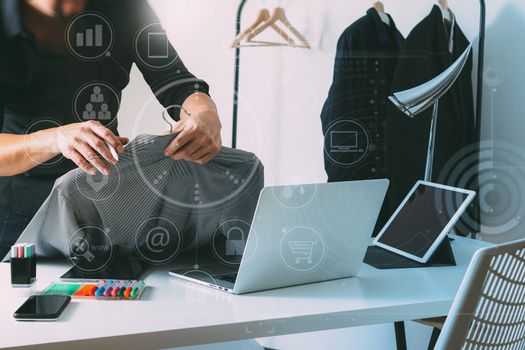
pixel 417 100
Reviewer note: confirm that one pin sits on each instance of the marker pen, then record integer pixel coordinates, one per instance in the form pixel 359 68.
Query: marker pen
pixel 100 291
pixel 14 251
pixel 136 289
pixel 109 288
pixel 20 252
pixel 94 289
pixel 116 289
pixel 123 288
pixel 28 249
pixel 129 289
pixel 33 250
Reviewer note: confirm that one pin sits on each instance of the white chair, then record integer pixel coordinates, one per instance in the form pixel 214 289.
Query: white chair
pixel 489 309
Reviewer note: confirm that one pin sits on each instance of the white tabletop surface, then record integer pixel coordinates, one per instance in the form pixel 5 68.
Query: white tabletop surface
pixel 173 312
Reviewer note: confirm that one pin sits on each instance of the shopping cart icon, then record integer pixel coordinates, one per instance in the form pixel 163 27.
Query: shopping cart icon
pixel 302 250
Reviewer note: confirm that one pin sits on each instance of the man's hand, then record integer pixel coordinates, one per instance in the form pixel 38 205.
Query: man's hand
pixel 86 144
pixel 199 139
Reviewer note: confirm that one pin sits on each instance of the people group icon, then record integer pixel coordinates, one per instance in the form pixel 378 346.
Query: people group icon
pixel 96 108
pixel 104 113
pixel 96 96
pixel 89 113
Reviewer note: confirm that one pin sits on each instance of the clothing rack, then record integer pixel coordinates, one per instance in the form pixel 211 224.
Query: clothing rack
pixel 236 76
pixel 481 59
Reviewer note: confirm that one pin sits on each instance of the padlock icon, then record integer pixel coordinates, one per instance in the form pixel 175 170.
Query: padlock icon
pixel 235 245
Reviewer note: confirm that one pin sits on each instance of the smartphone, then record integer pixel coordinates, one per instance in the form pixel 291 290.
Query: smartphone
pixel 42 308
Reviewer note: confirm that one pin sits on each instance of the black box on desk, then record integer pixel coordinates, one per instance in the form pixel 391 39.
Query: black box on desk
pixel 23 271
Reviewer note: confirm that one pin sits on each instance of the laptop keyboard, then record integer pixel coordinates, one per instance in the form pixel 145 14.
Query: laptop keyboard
pixel 385 259
pixel 228 278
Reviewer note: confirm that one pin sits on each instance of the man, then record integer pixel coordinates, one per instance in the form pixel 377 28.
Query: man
pixel 42 75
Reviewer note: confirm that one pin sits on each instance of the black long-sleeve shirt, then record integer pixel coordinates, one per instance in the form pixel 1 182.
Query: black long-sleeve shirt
pixel 39 91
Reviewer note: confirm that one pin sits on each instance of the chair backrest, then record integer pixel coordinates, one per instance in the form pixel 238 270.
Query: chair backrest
pixel 489 309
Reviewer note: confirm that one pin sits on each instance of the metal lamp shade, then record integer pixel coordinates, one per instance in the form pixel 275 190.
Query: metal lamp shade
pixel 418 99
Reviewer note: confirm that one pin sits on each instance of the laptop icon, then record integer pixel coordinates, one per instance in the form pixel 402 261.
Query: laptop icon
pixel 310 239
pixel 343 141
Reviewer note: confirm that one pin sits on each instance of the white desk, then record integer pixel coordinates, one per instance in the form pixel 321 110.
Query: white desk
pixel 177 313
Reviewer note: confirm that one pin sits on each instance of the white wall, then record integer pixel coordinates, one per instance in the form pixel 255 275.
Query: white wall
pixel 283 89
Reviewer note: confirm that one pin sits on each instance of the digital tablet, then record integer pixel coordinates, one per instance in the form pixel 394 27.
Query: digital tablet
pixel 121 269
pixel 423 219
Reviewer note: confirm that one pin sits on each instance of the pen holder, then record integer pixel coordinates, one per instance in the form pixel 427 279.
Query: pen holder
pixel 23 271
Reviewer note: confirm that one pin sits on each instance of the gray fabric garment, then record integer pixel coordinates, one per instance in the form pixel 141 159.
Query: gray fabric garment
pixel 147 191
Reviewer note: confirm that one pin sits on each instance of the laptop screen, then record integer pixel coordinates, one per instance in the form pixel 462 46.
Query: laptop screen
pixel 422 218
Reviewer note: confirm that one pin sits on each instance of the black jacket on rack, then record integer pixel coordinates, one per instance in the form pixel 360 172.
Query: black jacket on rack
pixel 353 116
pixel 425 55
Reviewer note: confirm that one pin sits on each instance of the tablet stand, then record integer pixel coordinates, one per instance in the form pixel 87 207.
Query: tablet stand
pixel 384 259
pixel 443 256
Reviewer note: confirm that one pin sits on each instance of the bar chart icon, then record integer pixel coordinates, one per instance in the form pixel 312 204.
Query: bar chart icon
pixel 90 37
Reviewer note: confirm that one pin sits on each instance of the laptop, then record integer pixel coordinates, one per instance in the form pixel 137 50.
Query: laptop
pixel 416 234
pixel 299 234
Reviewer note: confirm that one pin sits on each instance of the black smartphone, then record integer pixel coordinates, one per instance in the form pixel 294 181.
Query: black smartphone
pixel 42 308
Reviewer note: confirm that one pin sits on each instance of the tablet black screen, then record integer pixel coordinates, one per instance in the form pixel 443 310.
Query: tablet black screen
pixel 422 219
pixel 121 269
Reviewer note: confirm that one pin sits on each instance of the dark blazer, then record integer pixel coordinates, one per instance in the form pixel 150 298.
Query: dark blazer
pixel 365 62
pixel 424 56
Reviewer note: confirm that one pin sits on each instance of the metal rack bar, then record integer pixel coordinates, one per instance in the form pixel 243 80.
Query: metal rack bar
pixel 236 75
pixel 479 97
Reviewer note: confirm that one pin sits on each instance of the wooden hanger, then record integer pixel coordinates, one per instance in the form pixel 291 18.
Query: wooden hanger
pixel 279 15
pixel 444 4
pixel 445 10
pixel 380 8
pixel 262 17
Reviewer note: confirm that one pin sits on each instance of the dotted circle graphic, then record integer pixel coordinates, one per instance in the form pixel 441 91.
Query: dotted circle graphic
pixel 347 142
pixel 241 184
pixel 103 109
pixel 197 299
pixel 493 75
pixel 294 196
pixel 30 148
pixel 158 240
pixel 95 38
pixel 302 249
pixel 152 47
pixel 496 171
pixel 230 235
pixel 98 187
pixel 90 248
